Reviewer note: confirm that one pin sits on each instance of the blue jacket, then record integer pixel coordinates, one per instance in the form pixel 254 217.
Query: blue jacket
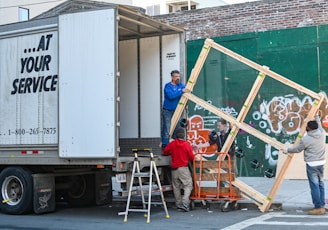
pixel 172 95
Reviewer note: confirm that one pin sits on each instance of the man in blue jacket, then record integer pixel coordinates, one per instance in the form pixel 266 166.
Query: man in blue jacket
pixel 173 91
pixel 314 145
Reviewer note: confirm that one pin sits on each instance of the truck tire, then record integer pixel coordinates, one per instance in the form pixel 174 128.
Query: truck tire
pixel 82 190
pixel 16 191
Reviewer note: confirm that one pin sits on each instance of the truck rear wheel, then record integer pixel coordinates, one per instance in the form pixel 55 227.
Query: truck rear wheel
pixel 81 191
pixel 16 191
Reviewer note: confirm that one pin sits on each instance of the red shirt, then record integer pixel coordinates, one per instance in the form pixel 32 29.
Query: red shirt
pixel 180 151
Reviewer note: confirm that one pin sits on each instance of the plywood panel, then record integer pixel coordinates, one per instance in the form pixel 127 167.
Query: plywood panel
pixel 297 169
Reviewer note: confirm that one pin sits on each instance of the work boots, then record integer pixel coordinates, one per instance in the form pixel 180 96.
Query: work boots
pixel 317 211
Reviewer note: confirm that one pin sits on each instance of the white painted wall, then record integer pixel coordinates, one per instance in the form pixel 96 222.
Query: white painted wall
pixel 9 8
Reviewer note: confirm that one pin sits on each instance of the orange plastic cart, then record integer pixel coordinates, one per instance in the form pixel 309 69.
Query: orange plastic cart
pixel 213 181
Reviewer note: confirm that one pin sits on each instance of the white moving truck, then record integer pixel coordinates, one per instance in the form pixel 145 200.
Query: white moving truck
pixel 78 91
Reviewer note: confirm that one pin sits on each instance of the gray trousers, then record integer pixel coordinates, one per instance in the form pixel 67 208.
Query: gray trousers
pixel 181 179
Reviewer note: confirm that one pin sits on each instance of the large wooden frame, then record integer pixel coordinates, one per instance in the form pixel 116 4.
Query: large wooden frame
pixel 263 202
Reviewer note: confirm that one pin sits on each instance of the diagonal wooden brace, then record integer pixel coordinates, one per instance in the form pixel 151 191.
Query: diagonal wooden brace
pixel 242 114
pixel 190 85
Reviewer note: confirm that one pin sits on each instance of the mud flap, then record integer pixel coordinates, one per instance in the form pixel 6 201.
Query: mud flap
pixel 103 187
pixel 43 193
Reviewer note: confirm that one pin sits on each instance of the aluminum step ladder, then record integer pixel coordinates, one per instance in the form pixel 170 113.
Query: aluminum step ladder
pixel 137 174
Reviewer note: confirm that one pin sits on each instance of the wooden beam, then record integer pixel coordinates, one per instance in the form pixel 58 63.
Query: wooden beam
pixel 215 192
pixel 190 85
pixel 250 99
pixel 243 112
pixel 250 193
pixel 249 129
pixel 260 68
pixel 280 176
pixel 212 164
pixel 213 176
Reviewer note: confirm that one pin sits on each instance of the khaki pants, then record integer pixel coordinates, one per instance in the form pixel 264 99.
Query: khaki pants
pixel 181 179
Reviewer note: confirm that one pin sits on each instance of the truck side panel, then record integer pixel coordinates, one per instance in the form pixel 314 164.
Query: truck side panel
pixel 28 89
pixel 87 93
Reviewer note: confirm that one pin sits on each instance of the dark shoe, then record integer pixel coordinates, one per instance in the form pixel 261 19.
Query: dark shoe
pixel 317 211
pixel 178 207
pixel 184 207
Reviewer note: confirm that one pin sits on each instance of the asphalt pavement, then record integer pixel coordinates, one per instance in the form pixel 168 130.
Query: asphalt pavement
pixel 292 195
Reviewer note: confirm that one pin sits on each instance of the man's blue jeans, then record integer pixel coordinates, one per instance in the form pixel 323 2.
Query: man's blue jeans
pixel 166 124
pixel 315 176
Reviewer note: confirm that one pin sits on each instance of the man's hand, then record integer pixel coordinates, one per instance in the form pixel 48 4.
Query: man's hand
pixel 284 150
pixel 195 148
pixel 185 90
pixel 203 145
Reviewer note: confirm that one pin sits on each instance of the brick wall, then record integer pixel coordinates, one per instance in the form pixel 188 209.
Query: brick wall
pixel 249 17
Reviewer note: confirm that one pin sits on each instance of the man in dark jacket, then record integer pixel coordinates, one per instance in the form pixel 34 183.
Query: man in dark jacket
pixel 181 153
pixel 313 145
pixel 219 138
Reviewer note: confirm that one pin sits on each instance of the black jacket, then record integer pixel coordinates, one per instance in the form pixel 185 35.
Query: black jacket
pixel 219 140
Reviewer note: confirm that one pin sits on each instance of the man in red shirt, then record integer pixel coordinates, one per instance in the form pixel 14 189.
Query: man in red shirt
pixel 181 153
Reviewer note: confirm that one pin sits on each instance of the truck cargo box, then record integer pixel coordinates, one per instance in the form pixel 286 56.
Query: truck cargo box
pixel 79 91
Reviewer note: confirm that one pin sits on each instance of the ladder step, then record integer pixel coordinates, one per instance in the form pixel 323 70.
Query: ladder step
pixel 137 210
pixel 125 213
pixel 153 202
pixel 137 190
pixel 142 174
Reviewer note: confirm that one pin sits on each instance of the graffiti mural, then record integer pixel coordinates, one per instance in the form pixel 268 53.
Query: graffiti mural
pixel 210 120
pixel 281 118
pixel 198 135
pixel 285 114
